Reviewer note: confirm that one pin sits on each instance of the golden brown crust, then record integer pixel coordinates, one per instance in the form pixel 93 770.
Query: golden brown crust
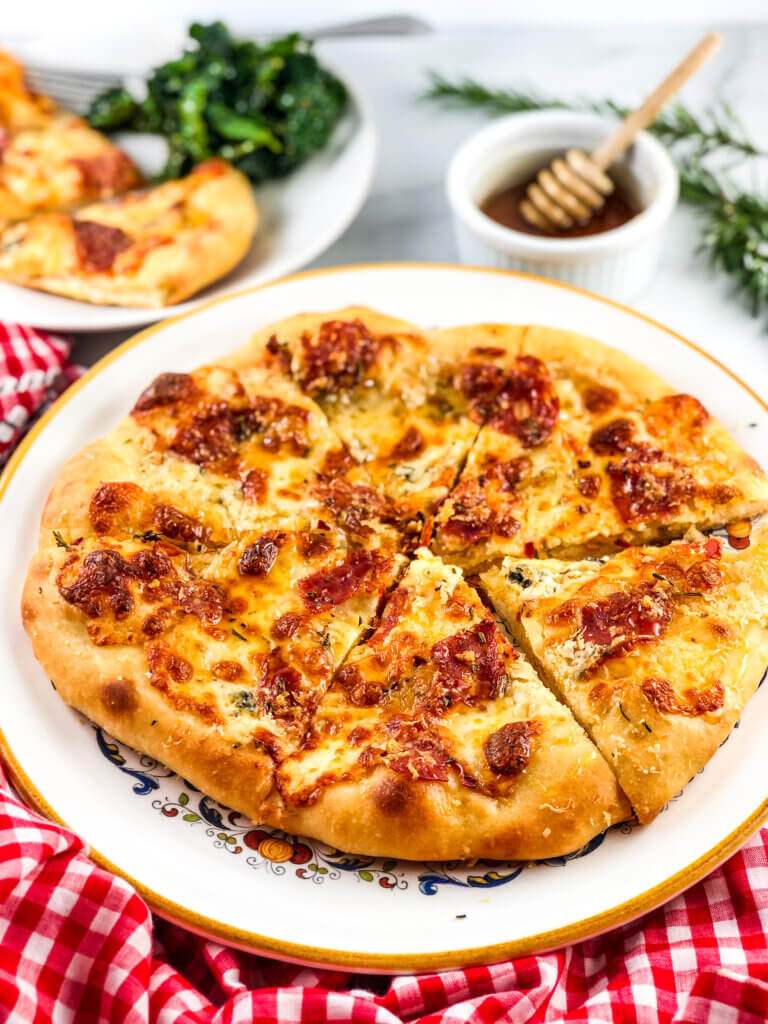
pixel 596 360
pixel 110 685
pixel 385 815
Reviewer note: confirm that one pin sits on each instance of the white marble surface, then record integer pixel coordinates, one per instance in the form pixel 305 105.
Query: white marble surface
pixel 406 217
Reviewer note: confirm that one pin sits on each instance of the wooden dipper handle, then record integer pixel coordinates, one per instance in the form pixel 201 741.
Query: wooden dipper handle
pixel 607 151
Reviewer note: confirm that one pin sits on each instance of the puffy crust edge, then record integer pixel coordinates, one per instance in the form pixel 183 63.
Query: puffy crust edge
pixel 592 357
pixel 125 703
pixel 385 814
pixel 291 328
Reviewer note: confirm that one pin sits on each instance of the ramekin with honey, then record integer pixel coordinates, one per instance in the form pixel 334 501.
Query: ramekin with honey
pixel 616 257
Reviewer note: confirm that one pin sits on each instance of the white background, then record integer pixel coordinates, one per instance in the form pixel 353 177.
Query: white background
pixel 31 15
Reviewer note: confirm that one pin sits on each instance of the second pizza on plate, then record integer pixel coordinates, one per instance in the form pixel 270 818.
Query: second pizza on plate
pixel 74 222
pixel 417 593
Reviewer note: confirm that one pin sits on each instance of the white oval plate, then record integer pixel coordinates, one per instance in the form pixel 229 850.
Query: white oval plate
pixel 199 864
pixel 300 217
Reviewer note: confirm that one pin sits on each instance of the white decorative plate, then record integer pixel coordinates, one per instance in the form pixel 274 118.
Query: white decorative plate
pixel 200 864
pixel 300 217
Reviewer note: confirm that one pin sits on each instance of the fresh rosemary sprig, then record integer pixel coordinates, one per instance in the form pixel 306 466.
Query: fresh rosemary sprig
pixel 716 129
pixel 734 231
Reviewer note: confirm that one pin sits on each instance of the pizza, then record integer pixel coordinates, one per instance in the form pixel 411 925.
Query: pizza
pixel 51 159
pixel 584 451
pixel 438 740
pixel 656 650
pixel 350 581
pixel 151 247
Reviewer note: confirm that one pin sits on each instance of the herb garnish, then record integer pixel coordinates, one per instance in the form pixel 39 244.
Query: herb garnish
pixel 243 700
pixel 517 575
pixel 60 542
pixel 265 107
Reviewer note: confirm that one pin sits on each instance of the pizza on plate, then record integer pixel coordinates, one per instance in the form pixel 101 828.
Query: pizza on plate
pixel 266 576
pixel 151 247
pixel 51 159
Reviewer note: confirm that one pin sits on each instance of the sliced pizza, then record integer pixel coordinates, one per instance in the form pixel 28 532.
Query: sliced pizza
pixel 656 650
pixel 437 740
pixel 227 652
pixel 50 159
pixel 207 455
pixel 219 583
pixel 396 396
pixel 147 248
pixel 586 451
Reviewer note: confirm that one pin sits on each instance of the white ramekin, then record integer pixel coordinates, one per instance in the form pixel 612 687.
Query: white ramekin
pixel 617 263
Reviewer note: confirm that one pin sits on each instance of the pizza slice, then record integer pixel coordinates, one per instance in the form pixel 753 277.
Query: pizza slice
pixel 50 159
pixel 588 452
pixel 113 487
pixel 395 395
pixel 656 650
pixel 148 248
pixel 437 740
pixel 225 652
pixel 251 443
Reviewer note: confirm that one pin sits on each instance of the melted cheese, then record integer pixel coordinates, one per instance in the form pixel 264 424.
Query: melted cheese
pixel 657 705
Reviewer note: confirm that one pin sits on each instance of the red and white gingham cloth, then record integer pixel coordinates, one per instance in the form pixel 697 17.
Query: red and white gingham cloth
pixel 78 944
pixel 34 370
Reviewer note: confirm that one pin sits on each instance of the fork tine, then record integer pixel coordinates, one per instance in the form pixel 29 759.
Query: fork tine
pixel 70 75
pixel 71 89
pixel 69 99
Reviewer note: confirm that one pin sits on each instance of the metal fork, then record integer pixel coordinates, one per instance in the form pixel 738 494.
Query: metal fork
pixel 75 90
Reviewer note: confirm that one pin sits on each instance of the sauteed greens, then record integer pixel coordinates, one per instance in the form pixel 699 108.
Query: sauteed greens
pixel 265 107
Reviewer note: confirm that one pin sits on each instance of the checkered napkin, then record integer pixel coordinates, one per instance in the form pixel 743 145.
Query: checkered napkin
pixel 78 944
pixel 34 370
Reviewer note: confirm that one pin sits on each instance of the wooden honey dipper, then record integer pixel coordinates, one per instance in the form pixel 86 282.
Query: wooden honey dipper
pixel 573 188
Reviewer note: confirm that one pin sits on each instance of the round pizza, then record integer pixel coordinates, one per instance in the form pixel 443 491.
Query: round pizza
pixel 429 594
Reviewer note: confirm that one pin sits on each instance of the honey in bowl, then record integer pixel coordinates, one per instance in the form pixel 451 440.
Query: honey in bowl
pixel 504 207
